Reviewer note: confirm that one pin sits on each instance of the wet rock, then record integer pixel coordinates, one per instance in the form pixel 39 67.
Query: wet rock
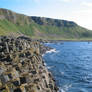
pixel 33 72
pixel 22 80
pixel 22 68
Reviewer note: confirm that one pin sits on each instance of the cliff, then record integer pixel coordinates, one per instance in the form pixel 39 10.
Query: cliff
pixel 22 68
pixel 12 23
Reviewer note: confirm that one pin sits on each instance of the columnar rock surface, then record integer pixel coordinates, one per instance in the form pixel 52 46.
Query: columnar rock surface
pixel 22 68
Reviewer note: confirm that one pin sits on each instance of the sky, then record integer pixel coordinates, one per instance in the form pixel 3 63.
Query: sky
pixel 79 11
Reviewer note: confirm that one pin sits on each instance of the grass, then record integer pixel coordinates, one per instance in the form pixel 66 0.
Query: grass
pixel 46 31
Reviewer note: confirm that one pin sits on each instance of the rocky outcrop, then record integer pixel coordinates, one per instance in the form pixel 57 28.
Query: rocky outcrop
pixel 22 68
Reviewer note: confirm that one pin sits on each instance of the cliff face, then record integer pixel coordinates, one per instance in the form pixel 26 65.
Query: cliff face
pixel 14 17
pixel 22 68
pixel 40 27
pixel 21 19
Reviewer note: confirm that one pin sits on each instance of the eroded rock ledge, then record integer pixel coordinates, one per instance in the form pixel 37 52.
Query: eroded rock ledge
pixel 22 68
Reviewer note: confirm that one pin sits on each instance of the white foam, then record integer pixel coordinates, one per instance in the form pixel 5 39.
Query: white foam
pixel 49 67
pixel 45 64
pixel 43 55
pixel 65 88
pixel 62 73
pixel 51 51
pixel 61 90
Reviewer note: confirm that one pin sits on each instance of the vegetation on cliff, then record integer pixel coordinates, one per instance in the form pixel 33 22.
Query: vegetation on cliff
pixel 40 27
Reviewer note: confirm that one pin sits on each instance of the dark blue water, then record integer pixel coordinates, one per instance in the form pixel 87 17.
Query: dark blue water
pixel 71 65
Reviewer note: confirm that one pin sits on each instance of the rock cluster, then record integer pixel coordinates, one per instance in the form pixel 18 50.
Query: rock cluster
pixel 22 68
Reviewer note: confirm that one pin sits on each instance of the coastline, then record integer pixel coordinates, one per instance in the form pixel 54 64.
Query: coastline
pixel 56 41
pixel 49 50
pixel 22 66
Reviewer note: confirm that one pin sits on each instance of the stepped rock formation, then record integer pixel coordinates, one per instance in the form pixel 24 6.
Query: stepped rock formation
pixel 22 68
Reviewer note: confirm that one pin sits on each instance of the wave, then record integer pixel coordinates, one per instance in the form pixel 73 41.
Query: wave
pixel 51 51
pixel 47 43
pixel 43 55
pixel 48 67
pixel 65 88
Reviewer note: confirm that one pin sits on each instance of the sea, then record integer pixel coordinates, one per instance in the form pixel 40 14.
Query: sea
pixel 71 65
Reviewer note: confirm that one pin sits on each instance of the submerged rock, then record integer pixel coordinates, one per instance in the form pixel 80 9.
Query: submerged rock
pixel 22 68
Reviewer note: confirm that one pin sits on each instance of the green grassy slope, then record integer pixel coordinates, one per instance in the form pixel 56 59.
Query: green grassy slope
pixel 41 28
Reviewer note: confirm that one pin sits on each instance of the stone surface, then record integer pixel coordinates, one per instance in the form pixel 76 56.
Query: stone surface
pixel 22 68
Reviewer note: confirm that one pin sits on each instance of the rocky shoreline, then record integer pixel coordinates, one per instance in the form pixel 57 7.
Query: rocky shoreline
pixel 22 68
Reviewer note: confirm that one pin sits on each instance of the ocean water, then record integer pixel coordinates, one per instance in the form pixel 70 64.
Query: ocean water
pixel 71 65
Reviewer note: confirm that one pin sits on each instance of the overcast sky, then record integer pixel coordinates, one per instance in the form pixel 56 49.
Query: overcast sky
pixel 79 11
